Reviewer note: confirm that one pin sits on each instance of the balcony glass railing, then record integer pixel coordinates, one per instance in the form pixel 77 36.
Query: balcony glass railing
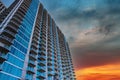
pixel 41 75
pixel 34 56
pixel 49 62
pixel 16 24
pixel 30 69
pixel 34 44
pixel 12 27
pixel 32 49
pixel 43 48
pixel 42 57
pixel 42 53
pixel 39 61
pixel 3 55
pixel 43 42
pixel 11 33
pixel 49 54
pixel 1 64
pixel 43 68
pixel 6 38
pixel 5 46
pixel 30 61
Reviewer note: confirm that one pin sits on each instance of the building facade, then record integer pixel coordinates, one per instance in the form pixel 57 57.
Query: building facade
pixel 32 47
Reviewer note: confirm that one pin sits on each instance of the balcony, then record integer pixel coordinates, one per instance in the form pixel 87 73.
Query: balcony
pixel 4 47
pixel 49 42
pixel 44 29
pixel 43 41
pixel 49 46
pixel 22 9
pixel 36 37
pixel 12 34
pixel 56 70
pixel 50 68
pixel 49 59
pixel 34 45
pixel 37 26
pixel 41 76
pixel 33 50
pixel 49 39
pixel 55 63
pixel 15 19
pixel 35 40
pixel 12 27
pixel 31 70
pixel 43 58
pixel 50 74
pixel 32 56
pixel 14 23
pixel 42 53
pixel 37 31
pixel 1 65
pixel 49 54
pixel 55 58
pixel 41 63
pixel 32 63
pixel 43 44
pixel 3 57
pixel 36 34
pixel 4 38
pixel 49 63
pixel 41 69
pixel 49 50
pixel 43 48
pixel 19 16
pixel 43 32
pixel 43 37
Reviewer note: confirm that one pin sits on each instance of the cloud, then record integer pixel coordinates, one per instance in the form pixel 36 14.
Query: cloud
pixel 91 27
pixel 91 58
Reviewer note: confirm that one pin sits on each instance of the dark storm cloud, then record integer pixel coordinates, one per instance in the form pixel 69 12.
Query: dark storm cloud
pixel 97 54
pixel 95 58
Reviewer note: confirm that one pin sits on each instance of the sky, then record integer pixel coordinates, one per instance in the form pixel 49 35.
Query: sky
pixel 92 29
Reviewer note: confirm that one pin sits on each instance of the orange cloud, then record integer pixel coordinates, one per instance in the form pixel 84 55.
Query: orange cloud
pixel 106 72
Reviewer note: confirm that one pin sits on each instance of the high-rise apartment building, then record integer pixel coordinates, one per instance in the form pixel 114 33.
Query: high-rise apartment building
pixel 32 47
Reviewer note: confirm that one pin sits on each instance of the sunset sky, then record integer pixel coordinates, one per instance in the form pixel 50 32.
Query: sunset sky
pixel 92 28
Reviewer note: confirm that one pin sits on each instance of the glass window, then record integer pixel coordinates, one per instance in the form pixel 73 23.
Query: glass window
pixel 15 60
pixel 12 70
pixel 7 77
pixel 19 46
pixel 17 53
pixel 21 40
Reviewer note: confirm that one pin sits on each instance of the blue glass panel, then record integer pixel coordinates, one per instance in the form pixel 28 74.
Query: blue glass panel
pixel 21 40
pixel 19 46
pixel 15 61
pixel 17 53
pixel 7 77
pixel 12 70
